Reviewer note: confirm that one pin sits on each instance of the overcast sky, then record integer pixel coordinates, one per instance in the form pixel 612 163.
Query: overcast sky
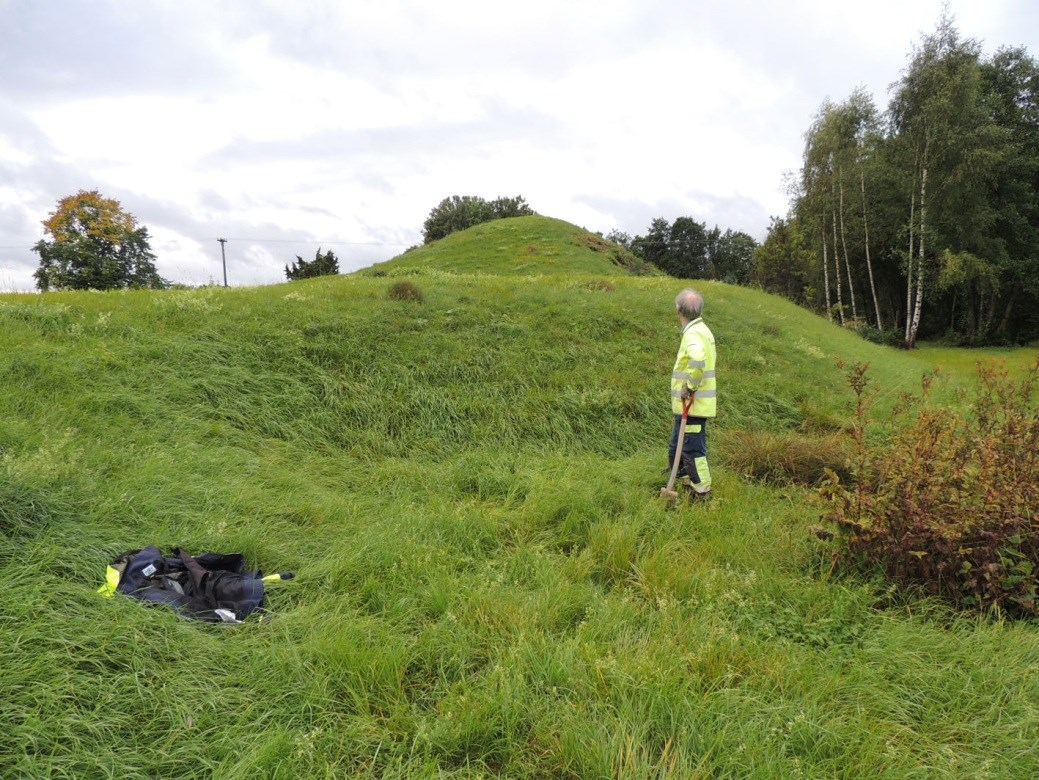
pixel 285 126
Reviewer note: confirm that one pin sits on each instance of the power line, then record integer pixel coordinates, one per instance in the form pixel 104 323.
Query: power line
pixel 312 241
pixel 267 241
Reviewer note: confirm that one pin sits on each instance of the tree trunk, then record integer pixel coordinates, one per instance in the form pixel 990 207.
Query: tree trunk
pixel 915 324
pixel 1006 312
pixel 909 267
pixel 869 265
pixel 973 305
pixel 837 267
pixel 989 314
pixel 971 318
pixel 844 243
pixel 826 274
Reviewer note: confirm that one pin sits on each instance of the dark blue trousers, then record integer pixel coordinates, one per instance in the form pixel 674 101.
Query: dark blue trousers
pixel 694 450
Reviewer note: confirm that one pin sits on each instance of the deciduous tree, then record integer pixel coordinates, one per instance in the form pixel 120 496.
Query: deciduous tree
pixel 461 212
pixel 938 115
pixel 94 244
pixel 732 255
pixel 783 263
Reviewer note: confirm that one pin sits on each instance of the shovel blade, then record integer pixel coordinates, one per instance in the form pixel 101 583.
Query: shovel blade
pixel 668 495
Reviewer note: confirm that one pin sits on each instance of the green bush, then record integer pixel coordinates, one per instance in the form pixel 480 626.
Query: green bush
pixel 887 338
pixel 461 212
pixel 950 503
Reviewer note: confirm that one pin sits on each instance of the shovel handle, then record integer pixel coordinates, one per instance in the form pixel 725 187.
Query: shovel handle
pixel 686 404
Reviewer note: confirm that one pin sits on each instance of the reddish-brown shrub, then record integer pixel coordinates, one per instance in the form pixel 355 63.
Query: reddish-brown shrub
pixel 950 502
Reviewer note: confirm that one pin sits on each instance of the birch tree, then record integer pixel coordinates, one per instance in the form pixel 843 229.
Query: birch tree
pixel 818 198
pixel 864 119
pixel 933 112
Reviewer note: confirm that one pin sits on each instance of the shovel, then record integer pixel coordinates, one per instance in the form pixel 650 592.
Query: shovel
pixel 668 493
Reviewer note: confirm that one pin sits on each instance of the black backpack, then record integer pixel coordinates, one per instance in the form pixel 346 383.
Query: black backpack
pixel 211 587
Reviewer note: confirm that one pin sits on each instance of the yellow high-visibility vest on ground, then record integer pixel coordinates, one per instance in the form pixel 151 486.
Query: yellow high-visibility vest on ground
pixel 694 368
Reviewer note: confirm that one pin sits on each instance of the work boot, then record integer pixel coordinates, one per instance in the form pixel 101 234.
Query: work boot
pixel 697 492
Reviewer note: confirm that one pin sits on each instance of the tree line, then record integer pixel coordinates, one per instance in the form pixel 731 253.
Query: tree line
pixel 921 220
pixel 688 249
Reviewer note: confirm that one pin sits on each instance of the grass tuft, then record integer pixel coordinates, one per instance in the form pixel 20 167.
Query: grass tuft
pixel 405 291
pixel 788 457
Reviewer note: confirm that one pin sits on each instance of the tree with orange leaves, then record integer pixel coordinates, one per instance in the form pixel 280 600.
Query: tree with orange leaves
pixel 94 244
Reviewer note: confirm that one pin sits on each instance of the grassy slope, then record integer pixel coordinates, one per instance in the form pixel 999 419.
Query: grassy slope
pixel 521 245
pixel 487 580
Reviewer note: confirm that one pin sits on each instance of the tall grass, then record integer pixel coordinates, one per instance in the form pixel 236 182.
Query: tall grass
pixel 488 583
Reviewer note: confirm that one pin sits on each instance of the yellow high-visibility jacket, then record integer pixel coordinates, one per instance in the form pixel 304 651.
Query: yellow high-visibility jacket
pixel 694 368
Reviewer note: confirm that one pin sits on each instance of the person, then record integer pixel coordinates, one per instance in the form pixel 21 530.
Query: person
pixel 693 376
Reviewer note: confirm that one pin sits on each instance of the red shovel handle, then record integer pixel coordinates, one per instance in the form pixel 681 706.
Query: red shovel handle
pixel 686 404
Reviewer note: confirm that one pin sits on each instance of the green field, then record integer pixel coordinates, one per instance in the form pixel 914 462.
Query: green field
pixel 488 584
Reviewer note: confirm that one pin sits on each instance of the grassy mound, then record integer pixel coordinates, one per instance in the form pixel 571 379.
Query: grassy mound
pixel 520 245
pixel 488 584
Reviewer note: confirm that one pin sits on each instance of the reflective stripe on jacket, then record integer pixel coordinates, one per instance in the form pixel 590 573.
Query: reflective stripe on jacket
pixel 694 368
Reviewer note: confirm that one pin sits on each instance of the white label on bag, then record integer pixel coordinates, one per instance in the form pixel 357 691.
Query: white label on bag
pixel 149 570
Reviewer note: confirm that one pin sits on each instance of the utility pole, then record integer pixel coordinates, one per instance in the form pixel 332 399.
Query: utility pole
pixel 223 258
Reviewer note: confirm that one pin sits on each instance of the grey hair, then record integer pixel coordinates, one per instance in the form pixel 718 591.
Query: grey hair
pixel 689 303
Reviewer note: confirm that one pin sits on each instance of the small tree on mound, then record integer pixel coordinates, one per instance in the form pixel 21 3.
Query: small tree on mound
pixel 951 502
pixel 323 264
pixel 461 212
